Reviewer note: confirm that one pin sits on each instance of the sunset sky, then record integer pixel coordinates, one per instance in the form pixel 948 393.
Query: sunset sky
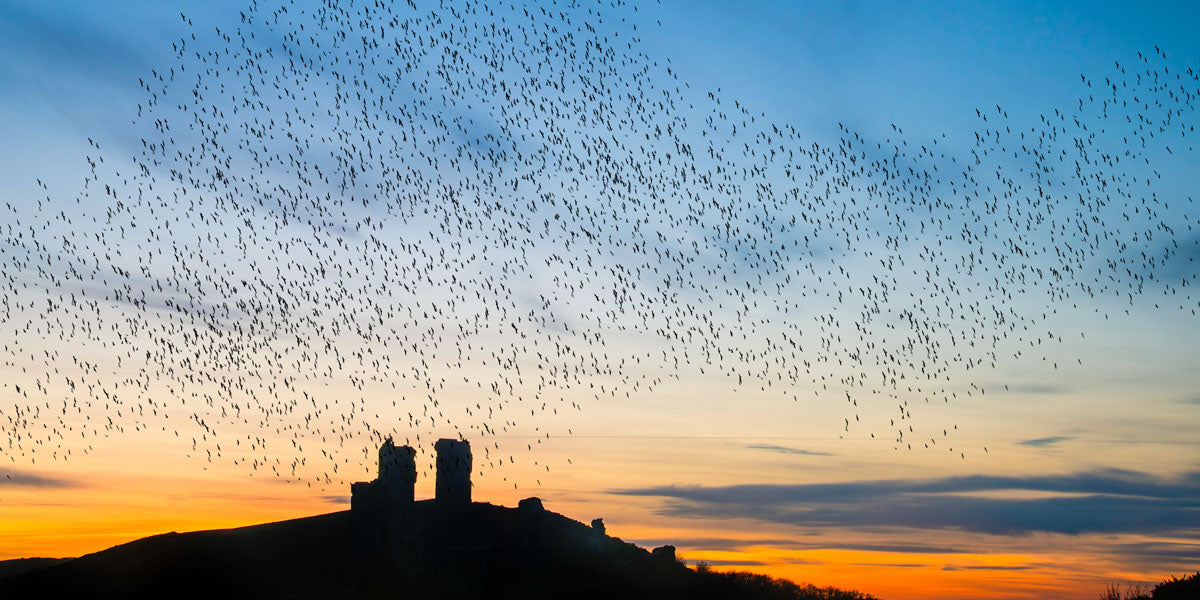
pixel 1092 468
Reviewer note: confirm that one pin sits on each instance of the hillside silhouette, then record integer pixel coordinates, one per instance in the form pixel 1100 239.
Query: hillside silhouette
pixel 388 545
pixel 478 551
pixel 24 565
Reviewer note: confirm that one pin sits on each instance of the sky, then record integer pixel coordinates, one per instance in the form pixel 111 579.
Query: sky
pixel 1092 470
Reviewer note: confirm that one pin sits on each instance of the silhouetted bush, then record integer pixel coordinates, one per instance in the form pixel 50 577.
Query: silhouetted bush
pixel 742 584
pixel 1175 588
pixel 1187 588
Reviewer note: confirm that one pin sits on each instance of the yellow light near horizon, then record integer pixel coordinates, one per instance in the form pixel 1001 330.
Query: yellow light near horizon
pixel 136 487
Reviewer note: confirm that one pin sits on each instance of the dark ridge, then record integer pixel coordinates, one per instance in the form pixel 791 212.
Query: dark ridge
pixel 18 566
pixel 424 551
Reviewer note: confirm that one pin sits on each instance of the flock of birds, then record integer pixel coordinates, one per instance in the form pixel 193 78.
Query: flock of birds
pixel 344 220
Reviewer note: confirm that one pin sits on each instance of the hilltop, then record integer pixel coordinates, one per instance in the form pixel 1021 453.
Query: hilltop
pixel 475 551
pixel 388 545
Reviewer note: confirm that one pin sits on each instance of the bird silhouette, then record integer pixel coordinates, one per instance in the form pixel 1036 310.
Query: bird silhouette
pixel 345 219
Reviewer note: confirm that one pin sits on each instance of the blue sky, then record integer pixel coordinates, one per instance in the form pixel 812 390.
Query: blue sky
pixel 923 65
pixel 1060 440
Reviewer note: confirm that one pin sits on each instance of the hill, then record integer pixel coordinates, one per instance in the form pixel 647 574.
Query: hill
pixel 427 551
pixel 24 565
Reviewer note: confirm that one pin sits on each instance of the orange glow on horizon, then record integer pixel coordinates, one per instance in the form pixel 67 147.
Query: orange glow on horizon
pixel 108 516
pixel 103 505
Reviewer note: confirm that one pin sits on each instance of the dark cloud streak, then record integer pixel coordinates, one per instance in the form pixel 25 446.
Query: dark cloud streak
pixel 737 545
pixel 987 567
pixel 1046 441
pixel 1106 501
pixel 787 450
pixel 16 478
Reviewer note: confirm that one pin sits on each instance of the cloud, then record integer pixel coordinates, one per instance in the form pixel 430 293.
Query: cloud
pixel 729 563
pixel 715 543
pixel 263 499
pixel 900 548
pixel 16 478
pixel 1105 501
pixel 895 565
pixel 733 562
pixel 1182 253
pixel 786 450
pixel 792 560
pixel 1046 441
pixel 987 567
pixel 1036 388
pixel 1158 551
pixel 736 545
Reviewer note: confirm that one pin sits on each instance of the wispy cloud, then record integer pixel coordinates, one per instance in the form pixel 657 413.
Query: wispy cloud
pixel 736 545
pixel 1159 551
pixel 18 478
pixel 787 450
pixel 1106 501
pixel 733 562
pixel 987 567
pixel 730 563
pixel 1046 441
pixel 900 548
pixel 1036 388
pixel 715 543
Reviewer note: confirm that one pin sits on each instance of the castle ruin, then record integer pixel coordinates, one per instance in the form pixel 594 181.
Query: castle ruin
pixel 394 488
pixel 453 472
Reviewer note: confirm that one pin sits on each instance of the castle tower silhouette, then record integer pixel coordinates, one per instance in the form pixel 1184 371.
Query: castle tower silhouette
pixel 453 472
pixel 393 489
pixel 398 470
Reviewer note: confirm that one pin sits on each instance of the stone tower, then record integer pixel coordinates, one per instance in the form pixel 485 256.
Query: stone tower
pixel 394 488
pixel 453 485
pixel 398 471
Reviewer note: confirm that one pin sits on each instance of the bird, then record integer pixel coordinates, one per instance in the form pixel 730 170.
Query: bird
pixel 483 218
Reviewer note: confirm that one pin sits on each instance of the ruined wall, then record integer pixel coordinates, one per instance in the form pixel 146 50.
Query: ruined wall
pixel 395 487
pixel 398 471
pixel 453 472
